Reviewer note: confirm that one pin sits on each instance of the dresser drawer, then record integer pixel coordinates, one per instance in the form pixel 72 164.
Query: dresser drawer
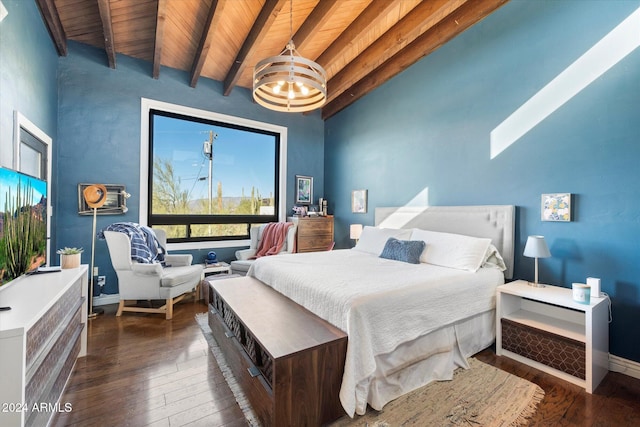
pixel 314 243
pixel 315 226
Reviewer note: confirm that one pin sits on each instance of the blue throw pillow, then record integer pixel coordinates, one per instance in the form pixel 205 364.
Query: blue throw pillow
pixel 403 250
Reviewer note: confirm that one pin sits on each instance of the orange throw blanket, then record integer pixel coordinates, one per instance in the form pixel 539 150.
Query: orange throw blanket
pixel 274 236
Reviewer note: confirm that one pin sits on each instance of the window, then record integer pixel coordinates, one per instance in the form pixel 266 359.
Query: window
pixel 210 177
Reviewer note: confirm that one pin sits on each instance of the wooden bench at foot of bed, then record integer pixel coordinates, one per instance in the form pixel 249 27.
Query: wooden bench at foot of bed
pixel 288 361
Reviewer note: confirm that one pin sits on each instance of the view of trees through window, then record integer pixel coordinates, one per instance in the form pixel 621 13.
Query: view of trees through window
pixel 210 180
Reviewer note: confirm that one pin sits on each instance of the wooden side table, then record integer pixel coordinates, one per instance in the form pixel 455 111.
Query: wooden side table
pixel 313 233
pixel 545 328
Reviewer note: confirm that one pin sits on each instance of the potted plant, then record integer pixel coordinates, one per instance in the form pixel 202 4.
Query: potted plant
pixel 70 257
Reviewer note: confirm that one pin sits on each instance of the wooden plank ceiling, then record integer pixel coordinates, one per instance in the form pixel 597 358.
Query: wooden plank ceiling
pixel 360 43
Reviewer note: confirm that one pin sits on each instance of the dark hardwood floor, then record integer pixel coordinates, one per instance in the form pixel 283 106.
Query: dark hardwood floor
pixel 144 370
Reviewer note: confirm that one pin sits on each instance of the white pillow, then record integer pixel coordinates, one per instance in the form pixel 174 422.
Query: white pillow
pixel 373 239
pixel 452 250
pixel 493 259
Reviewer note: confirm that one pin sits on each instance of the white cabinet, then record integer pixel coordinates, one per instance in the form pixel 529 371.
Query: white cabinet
pixel 545 328
pixel 40 339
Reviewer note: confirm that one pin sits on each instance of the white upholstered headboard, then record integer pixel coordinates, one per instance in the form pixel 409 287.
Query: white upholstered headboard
pixel 496 222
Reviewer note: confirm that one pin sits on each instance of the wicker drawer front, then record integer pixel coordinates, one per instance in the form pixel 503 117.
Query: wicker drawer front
pixel 561 353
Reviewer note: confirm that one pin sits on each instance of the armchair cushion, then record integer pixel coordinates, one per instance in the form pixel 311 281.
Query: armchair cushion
pixel 176 276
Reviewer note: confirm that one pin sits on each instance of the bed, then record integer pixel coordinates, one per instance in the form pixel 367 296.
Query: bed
pixel 408 324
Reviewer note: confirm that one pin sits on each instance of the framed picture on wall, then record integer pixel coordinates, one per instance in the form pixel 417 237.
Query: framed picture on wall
pixel 359 201
pixel 556 207
pixel 304 190
pixel 115 204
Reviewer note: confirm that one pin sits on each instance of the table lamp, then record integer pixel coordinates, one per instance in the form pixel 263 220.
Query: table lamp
pixel 536 248
pixel 355 230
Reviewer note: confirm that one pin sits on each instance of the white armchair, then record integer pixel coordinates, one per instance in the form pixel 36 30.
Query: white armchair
pixel 172 260
pixel 243 261
pixel 138 281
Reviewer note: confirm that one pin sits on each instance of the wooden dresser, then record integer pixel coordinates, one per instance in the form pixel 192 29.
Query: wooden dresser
pixel 40 339
pixel 314 233
pixel 288 361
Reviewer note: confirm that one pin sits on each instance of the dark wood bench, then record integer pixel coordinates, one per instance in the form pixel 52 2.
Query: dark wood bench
pixel 288 361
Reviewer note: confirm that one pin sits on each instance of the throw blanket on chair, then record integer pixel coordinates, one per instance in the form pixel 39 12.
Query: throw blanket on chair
pixel 145 247
pixel 274 236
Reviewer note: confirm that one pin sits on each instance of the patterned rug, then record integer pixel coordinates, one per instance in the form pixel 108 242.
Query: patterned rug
pixel 480 396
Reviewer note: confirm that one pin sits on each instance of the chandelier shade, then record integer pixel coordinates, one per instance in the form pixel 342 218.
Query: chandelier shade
pixel 289 82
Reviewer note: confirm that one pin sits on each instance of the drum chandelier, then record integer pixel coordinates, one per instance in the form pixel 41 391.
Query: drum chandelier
pixel 289 82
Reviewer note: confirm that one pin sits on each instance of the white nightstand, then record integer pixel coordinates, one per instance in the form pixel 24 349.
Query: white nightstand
pixel 220 267
pixel 545 328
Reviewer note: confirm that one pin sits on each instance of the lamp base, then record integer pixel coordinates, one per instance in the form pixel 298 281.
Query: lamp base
pixel 536 284
pixel 96 311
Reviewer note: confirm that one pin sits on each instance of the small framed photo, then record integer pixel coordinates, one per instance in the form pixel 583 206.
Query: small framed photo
pixel 304 190
pixel 556 207
pixel 359 201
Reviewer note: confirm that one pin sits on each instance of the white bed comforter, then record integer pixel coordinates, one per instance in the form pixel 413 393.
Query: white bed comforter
pixel 379 303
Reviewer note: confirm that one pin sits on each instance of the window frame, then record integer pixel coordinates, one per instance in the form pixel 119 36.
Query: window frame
pixel 147 105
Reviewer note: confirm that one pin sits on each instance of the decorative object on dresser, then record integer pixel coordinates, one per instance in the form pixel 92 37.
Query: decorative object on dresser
pixel 545 328
pixel 314 233
pixel 70 257
pixel 536 247
pixel 40 339
pixel 287 360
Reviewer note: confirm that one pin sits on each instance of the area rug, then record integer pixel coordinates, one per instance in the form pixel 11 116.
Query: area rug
pixel 480 396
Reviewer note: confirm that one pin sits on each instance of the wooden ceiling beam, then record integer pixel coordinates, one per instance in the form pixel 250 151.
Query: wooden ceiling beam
pixel 318 16
pixel 414 23
pixel 49 13
pixel 161 17
pixel 260 28
pixel 369 18
pixel 206 39
pixel 107 30
pixel 452 25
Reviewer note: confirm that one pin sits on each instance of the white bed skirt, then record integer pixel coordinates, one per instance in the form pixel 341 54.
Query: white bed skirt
pixel 442 351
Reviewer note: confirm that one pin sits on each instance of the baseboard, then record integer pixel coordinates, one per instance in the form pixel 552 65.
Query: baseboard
pixel 105 299
pixel 624 366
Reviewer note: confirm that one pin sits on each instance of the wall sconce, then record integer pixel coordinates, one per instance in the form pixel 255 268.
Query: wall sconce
pixel 355 230
pixel 536 247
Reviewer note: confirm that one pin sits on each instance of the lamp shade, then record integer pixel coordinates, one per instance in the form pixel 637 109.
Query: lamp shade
pixel 536 247
pixel 355 230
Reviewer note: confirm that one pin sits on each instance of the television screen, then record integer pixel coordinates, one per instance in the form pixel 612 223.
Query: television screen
pixel 23 224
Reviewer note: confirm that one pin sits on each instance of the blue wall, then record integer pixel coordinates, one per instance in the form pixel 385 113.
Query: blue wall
pixel 426 133
pixel 28 69
pixel 99 136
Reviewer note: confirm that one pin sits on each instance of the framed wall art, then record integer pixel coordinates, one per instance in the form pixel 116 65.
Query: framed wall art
pixel 359 201
pixel 304 190
pixel 556 207
pixel 115 203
